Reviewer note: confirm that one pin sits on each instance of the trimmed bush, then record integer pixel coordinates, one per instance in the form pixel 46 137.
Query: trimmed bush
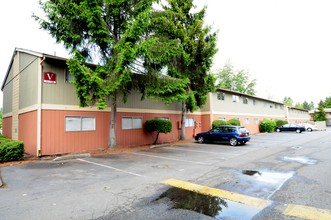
pixel 158 126
pixel 267 126
pixel 280 122
pixel 11 150
pixel 217 123
pixel 234 121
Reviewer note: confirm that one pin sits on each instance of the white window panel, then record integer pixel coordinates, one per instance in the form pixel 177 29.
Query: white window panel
pixel 88 124
pixel 72 123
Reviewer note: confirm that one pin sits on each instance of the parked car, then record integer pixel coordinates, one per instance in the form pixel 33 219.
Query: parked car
pixel 291 127
pixel 309 127
pixel 233 135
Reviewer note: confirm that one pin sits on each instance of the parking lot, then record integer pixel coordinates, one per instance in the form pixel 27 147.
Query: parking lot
pixel 127 185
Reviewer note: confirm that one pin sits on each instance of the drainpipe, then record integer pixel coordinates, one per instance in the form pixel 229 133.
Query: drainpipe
pixel 39 97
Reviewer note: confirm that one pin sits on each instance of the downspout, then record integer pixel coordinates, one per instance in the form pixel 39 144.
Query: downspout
pixel 39 97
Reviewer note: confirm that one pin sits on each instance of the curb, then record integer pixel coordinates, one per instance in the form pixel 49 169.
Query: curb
pixel 69 157
pixel 159 146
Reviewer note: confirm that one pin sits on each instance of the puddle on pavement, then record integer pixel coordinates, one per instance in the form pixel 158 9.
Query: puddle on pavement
pixel 262 184
pixel 300 159
pixel 212 206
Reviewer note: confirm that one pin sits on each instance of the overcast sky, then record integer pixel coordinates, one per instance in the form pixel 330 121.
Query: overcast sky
pixel 284 44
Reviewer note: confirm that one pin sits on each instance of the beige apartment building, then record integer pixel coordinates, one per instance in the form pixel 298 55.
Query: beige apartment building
pixel 40 107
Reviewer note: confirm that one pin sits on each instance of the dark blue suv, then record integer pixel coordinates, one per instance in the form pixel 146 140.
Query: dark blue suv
pixel 234 135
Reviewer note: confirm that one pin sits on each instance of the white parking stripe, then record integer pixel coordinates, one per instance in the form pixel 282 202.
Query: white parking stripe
pixel 168 158
pixel 199 151
pixel 113 168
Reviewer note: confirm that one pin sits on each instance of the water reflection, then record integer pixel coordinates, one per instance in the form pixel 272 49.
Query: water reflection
pixel 212 206
pixel 190 200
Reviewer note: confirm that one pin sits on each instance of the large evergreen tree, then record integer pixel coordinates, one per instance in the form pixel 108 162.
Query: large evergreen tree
pixel 178 21
pixel 115 35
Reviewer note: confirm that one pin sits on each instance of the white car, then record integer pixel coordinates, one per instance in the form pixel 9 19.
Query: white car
pixel 309 127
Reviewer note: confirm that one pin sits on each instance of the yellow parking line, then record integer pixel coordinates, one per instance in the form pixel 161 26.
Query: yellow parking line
pixel 307 212
pixel 205 190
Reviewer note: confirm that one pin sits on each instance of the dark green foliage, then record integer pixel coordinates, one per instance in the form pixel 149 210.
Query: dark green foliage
pixel 11 150
pixel 280 122
pixel 121 37
pixel 179 21
pixel 158 126
pixel 267 125
pixel 234 121
pixel 217 123
pixel 319 114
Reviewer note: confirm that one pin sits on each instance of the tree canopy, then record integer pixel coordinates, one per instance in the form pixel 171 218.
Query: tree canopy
pixel 165 54
pixel 239 81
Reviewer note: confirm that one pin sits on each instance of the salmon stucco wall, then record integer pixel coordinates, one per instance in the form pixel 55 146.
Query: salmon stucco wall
pixel 55 140
pixel 27 131
pixel 7 127
pixel 138 137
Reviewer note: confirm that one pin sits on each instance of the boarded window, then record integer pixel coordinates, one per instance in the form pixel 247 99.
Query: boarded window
pixel 80 123
pixel 131 123
pixel 189 122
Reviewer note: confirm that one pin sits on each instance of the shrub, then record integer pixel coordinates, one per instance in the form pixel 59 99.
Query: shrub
pixel 158 126
pixel 234 121
pixel 11 150
pixel 217 123
pixel 267 126
pixel 280 122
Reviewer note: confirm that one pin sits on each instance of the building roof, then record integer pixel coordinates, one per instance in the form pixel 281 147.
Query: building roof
pixel 246 95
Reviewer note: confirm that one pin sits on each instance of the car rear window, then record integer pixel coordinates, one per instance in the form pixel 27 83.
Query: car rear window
pixel 243 130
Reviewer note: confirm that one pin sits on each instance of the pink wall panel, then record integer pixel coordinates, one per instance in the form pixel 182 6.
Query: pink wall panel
pixel 7 127
pixel 27 131
pixel 55 140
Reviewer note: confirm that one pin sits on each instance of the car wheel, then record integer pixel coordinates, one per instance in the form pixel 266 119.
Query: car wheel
pixel 278 130
pixel 201 140
pixel 298 131
pixel 233 141
pixel 309 129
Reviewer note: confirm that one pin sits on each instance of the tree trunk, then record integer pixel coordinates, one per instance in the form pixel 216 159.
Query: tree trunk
pixel 112 128
pixel 183 127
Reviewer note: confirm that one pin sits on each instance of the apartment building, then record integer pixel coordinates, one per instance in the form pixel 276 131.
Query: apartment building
pixel 41 109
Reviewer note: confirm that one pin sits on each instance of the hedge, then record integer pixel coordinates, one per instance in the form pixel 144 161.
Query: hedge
pixel 267 125
pixel 11 150
pixel 232 121
pixel 158 126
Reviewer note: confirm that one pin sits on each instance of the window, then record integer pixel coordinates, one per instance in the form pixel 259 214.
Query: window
pixel 162 118
pixel 235 98
pixel 220 95
pixel 254 102
pixel 68 76
pixel 131 123
pixel 246 121
pixel 256 121
pixel 189 122
pixel 245 100
pixel 222 119
pixel 80 123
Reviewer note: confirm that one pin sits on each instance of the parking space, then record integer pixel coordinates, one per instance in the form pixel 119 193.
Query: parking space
pixel 42 190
